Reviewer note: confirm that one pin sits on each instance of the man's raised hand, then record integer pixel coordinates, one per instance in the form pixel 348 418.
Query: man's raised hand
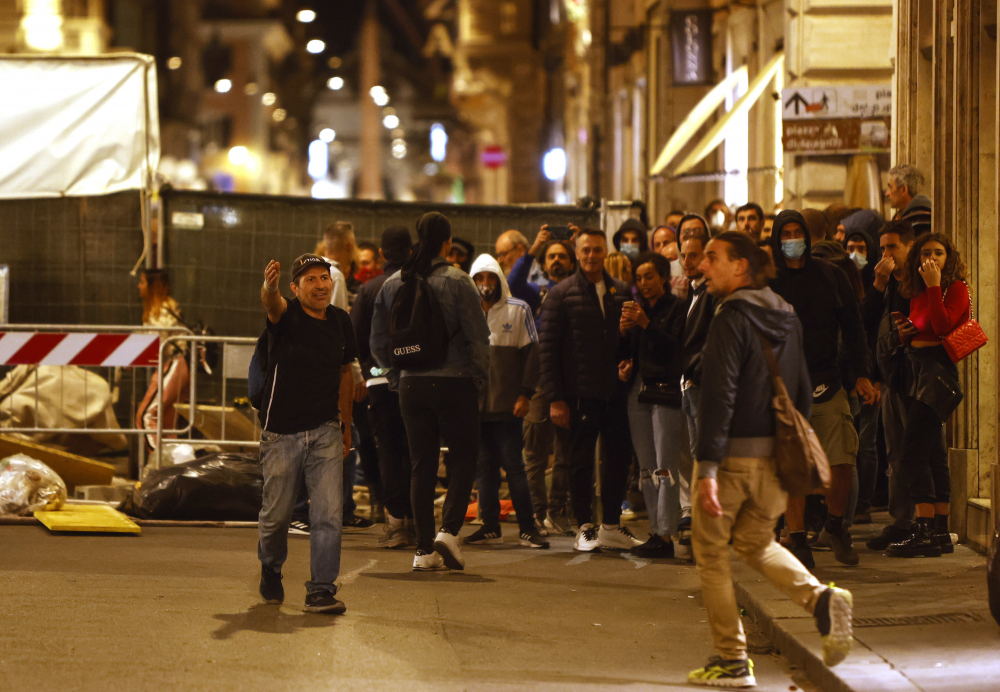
pixel 272 273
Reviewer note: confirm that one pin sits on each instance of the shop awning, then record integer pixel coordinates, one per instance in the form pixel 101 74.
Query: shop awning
pixel 695 119
pixel 77 126
pixel 717 134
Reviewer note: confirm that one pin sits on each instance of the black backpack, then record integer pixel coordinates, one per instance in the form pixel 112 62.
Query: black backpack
pixel 418 335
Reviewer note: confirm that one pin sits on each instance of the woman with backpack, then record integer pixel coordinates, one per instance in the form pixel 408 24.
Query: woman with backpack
pixel 934 281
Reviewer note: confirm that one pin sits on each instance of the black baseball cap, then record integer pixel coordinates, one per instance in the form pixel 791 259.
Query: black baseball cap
pixel 307 261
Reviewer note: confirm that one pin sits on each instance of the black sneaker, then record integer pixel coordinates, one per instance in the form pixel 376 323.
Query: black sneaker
pixel 271 589
pixel 533 539
pixel 684 531
pixel 890 534
pixel 654 548
pixel 840 542
pixel 942 535
pixel 324 602
pixel 483 536
pixel 799 547
pixel 356 522
pixel 298 528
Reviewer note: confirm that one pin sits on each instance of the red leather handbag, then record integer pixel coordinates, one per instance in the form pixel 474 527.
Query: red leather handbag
pixel 964 339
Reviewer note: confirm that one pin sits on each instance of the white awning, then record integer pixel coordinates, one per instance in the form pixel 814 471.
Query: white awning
pixel 695 119
pixel 77 126
pixel 717 134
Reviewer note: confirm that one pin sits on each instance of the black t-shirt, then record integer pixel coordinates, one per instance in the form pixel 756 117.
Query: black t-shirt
pixel 303 390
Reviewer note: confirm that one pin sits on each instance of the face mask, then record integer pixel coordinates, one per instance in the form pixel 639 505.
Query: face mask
pixel 630 250
pixel 793 249
pixel 489 293
pixel 859 259
pixel 367 274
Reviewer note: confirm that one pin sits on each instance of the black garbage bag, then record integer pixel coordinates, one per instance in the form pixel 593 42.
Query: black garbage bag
pixel 993 576
pixel 215 487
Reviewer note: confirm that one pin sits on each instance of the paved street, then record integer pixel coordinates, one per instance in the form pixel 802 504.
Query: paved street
pixel 177 609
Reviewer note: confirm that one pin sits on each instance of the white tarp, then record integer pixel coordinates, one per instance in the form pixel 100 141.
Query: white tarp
pixel 77 126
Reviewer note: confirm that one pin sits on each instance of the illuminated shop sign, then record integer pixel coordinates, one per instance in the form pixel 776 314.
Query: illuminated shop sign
pixel 691 40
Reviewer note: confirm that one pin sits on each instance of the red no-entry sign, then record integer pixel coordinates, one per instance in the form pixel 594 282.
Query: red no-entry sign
pixel 493 156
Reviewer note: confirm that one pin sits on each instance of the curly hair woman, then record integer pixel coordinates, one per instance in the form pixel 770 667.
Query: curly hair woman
pixel 934 281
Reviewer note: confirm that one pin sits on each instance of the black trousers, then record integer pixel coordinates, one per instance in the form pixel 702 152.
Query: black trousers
pixel 368 451
pixel 440 410
pixel 925 458
pixel 393 450
pixel 590 418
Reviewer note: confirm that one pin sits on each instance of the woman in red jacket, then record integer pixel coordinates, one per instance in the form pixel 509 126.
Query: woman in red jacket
pixel 934 281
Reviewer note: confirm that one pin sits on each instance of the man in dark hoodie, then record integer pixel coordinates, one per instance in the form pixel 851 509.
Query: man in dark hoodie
pixel 821 295
pixel 387 421
pixel 738 495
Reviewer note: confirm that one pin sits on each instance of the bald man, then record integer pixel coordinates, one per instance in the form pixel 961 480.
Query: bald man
pixel 510 247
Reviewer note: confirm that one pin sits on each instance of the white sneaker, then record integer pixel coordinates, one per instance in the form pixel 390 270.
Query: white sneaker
pixel 618 538
pixel 428 562
pixel 838 640
pixel 586 540
pixel 447 546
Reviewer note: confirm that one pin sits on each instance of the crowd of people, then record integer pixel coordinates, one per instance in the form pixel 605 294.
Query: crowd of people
pixel 646 361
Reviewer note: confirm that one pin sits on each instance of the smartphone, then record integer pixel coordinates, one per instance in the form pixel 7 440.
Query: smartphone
pixel 628 305
pixel 897 316
pixel 560 232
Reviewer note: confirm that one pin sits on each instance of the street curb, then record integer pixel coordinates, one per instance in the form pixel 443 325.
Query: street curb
pixel 789 646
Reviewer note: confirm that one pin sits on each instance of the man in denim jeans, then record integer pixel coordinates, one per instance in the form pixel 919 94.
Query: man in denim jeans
pixel 306 426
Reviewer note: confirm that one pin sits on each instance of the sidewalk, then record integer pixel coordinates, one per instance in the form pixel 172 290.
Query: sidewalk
pixel 919 624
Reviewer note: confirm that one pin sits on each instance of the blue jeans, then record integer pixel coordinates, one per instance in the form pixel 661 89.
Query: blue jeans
pixel 315 458
pixel 656 437
pixel 501 444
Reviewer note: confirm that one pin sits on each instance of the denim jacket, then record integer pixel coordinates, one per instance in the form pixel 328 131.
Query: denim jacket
pixel 469 347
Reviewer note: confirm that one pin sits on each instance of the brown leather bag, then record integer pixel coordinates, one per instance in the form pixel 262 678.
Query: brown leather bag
pixel 803 468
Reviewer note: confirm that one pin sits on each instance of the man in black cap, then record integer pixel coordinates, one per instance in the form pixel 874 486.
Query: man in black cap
pixel 387 421
pixel 307 426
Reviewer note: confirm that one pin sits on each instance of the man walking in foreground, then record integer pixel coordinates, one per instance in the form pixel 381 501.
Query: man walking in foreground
pixel 738 495
pixel 306 428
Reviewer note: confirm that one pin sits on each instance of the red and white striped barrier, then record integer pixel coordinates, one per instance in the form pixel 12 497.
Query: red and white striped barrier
pixel 46 348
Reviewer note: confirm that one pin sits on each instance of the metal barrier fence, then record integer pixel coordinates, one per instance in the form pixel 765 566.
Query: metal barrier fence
pixel 115 348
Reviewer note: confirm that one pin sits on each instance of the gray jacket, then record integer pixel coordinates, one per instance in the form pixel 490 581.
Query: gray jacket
pixel 469 343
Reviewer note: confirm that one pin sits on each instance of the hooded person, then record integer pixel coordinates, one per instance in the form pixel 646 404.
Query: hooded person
pixel 630 239
pixel 439 403
pixel 831 330
pixel 503 403
pixel 863 226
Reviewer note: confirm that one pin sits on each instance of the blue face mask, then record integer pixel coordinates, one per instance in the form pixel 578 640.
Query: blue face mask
pixel 630 250
pixel 793 249
pixel 859 259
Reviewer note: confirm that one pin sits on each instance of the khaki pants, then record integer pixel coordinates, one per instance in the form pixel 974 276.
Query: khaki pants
pixel 752 500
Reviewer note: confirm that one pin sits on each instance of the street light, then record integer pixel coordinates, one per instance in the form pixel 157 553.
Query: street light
pixel 316 46
pixel 391 122
pixel 439 142
pixel 379 95
pixel 327 134
pixel 223 86
pixel 335 83
pixel 306 16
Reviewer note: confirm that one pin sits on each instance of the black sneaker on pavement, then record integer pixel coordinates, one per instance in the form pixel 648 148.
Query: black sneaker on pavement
pixel 684 531
pixel 356 522
pixel 271 589
pixel 484 535
pixel 799 547
pixel 533 539
pixel 298 528
pixel 324 602
pixel 890 534
pixel 654 548
pixel 841 544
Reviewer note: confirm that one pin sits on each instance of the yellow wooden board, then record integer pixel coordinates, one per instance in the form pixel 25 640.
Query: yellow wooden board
pixel 95 518
pixel 72 468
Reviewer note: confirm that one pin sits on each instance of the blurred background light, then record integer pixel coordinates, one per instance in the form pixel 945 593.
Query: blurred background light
pixel 223 86
pixel 439 142
pixel 250 89
pixel 319 159
pixel 268 99
pixel 238 156
pixel 379 95
pixel 391 122
pixel 174 63
pixel 335 83
pixel 316 46
pixel 327 134
pixel 279 115
pixel 554 164
pixel 306 16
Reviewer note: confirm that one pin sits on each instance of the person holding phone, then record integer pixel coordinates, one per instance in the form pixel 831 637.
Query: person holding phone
pixel 934 280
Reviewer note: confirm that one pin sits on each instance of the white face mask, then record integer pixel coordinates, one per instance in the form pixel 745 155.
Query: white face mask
pixel 859 259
